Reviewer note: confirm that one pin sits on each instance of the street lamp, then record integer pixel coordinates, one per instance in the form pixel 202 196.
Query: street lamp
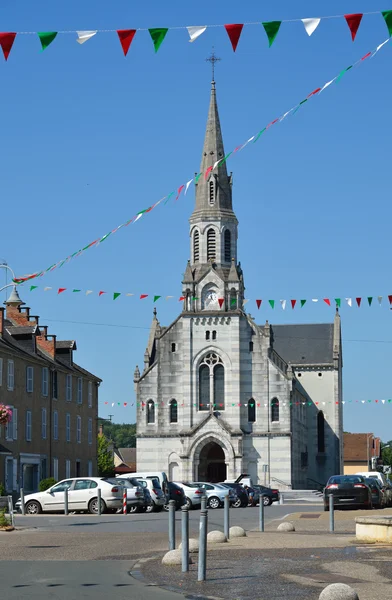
pixel 5 266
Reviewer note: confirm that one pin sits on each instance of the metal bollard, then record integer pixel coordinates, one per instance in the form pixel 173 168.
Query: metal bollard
pixel 185 537
pixel 281 500
pixel 226 517
pixel 66 501
pixel 202 564
pixel 172 524
pixel 99 502
pixel 331 514
pixel 203 505
pixel 125 497
pixel 22 502
pixel 11 510
pixel 261 514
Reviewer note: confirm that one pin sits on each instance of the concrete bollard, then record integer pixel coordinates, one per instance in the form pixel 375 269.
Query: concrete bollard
pixel 261 514
pixel 338 591
pixel 202 564
pixel 22 502
pixel 99 502
pixel 331 514
pixel 185 538
pixel 226 517
pixel 281 499
pixel 172 524
pixel 66 501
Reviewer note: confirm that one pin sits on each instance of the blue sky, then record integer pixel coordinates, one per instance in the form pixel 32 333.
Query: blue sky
pixel 90 137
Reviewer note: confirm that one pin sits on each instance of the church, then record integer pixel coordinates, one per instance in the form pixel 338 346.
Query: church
pixel 219 395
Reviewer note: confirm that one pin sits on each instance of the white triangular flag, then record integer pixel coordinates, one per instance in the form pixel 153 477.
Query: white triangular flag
pixel 265 404
pixel 363 401
pixel 83 36
pixel 138 217
pixel 250 139
pixel 112 403
pixel 195 31
pixel 326 85
pixel 285 114
pixel 89 292
pixel 216 163
pixel 310 25
pixel 245 405
pixel 245 301
pixel 383 401
pixel 349 301
pixel 380 46
pixel 47 288
pixel 379 300
pixel 343 402
pixel 187 186
pixel 167 297
pixel 283 303
pixel 129 294
pixel 314 299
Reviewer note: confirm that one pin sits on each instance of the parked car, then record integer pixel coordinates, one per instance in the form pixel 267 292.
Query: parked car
pixel 160 475
pixel 216 493
pixel 193 493
pixel 347 490
pixel 135 494
pixel 158 499
pixel 82 496
pixel 379 495
pixel 177 494
pixel 242 497
pixel 267 494
pixel 147 500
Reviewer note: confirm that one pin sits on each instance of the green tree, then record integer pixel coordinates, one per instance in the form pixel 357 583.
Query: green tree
pixel 105 458
pixel 123 435
pixel 386 453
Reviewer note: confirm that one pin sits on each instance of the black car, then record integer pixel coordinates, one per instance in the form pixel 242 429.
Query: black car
pixel 267 494
pixel 177 494
pixel 347 490
pixel 242 496
pixel 378 494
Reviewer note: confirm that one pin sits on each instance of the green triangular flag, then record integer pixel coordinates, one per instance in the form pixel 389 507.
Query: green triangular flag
pixel 303 101
pixel 197 177
pixel 33 287
pixel 46 38
pixel 338 78
pixel 271 29
pixel 76 290
pixel 157 36
pixel 233 301
pixel 303 302
pixel 195 298
pixel 387 14
pixel 259 134
pixel 338 302
pixel 224 159
pixel 272 303
pixel 157 298
pixel 116 295
pixel 370 300
pixel 168 198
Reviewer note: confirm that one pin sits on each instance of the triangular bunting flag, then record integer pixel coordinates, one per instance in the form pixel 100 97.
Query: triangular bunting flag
pixel 6 42
pixel 310 25
pixel 283 303
pixel 126 36
pixel 180 298
pixel 46 38
pixel 258 302
pixel 390 299
pixel 221 301
pixel 327 301
pixel 293 303
pixel 89 292
pixel 157 36
pixel 303 302
pixel 73 291
pixel 168 297
pixel 179 191
pixel 353 22
pixel 314 299
pixel 187 186
pixel 208 171
pixel 156 298
pixel 387 14
pixel 338 302
pixel 349 301
pixel 271 29
pixel 61 290
pixel 33 287
pixel 84 36
pixel 142 296
pixel 272 303
pixel 116 295
pixel 245 301
pixel 195 31
pixel 379 298
pixel 101 293
pixel 370 300
pixel 234 32
pixel 233 301
pixel 359 300
pixel 47 288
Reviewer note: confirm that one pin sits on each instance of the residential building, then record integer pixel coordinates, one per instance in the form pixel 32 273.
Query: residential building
pixel 361 452
pixel 220 395
pixel 124 460
pixel 54 403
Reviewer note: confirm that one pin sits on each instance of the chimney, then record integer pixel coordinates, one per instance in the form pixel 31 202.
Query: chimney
pixel 100 432
pixel 46 342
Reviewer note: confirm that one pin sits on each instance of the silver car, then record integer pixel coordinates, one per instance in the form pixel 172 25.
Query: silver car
pixel 193 493
pixel 135 494
pixel 216 494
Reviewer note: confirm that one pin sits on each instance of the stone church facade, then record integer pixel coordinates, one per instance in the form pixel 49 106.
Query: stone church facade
pixel 220 395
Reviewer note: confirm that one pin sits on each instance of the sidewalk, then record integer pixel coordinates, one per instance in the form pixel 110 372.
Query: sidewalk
pixel 280 566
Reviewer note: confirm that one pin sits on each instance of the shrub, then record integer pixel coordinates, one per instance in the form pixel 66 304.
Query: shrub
pixel 4 521
pixel 2 490
pixel 45 484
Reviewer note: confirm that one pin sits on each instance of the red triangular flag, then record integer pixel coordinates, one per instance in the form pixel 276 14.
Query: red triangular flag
pixel 293 303
pixel 208 171
pixel 234 32
pixel 358 301
pixel 221 301
pixel 258 302
pixel 143 296
pixel 354 21
pixel 390 299
pixel 6 42
pixel 126 36
pixel 327 301
pixel 101 293
pixel 125 403
pixel 179 191
pixel 181 298
pixel 61 290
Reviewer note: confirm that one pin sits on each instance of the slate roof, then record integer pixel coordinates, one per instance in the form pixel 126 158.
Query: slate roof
pixel 310 344
pixel 128 455
pixel 31 330
pixel 69 344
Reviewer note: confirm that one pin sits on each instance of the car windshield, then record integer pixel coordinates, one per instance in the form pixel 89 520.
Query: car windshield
pixel 346 479
pixel 191 485
pixel 372 482
pixel 124 482
pixel 219 486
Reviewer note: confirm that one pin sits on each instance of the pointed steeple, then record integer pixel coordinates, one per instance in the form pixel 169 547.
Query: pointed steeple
pixel 233 274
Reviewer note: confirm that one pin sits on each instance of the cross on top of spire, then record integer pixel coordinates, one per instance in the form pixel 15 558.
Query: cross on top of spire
pixel 213 59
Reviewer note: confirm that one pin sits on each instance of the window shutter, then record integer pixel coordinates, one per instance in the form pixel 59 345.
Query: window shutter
pixel 14 432
pixel 1 371
pixel 15 474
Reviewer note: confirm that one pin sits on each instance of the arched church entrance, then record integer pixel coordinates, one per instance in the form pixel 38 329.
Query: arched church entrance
pixel 212 465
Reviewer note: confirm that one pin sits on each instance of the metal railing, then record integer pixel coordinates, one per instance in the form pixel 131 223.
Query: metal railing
pixel 288 485
pixel 319 486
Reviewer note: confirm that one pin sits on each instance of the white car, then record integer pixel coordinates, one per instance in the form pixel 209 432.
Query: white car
pixel 82 495
pixel 193 493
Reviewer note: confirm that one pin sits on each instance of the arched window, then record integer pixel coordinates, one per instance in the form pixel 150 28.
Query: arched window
pixel 252 410
pixel 212 192
pixel 173 411
pixel 227 243
pixel 150 412
pixel 320 432
pixel 196 246
pixel 211 244
pixel 207 335
pixel 233 299
pixel 204 387
pixel 219 387
pixel 211 383
pixel 214 335
pixel 275 410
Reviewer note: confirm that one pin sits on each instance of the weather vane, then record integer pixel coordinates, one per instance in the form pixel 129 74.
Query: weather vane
pixel 213 59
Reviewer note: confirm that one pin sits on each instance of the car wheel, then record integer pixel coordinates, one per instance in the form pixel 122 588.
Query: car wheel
pixel 267 501
pixel 93 506
pixel 188 503
pixel 156 508
pixel 237 503
pixel 133 509
pixel 166 507
pixel 149 507
pixel 214 502
pixel 33 508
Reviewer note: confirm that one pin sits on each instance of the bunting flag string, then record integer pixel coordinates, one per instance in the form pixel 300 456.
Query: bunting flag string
pixel 7 44
pixel 306 404
pixel 233 30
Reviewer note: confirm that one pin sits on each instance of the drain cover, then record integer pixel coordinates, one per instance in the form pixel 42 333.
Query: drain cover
pixel 310 515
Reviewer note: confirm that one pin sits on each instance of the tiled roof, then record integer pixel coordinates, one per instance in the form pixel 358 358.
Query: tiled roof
pixel 31 330
pixel 69 344
pixel 128 455
pixel 310 344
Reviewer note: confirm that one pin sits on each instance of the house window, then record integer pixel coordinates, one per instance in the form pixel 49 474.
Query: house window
pixel 173 411
pixel 212 192
pixel 204 387
pixel 214 335
pixel 150 412
pixel 56 469
pixel 219 387
pixel 55 425
pixel 43 423
pixel 211 244
pixel 90 468
pixel 29 379
pixel 9 474
pixel 68 392
pixel 54 385
pixel 43 468
pixel 173 347
pixel 227 243
pixel 80 390
pixel 11 428
pixel 67 427
pixel 10 375
pixel 90 431
pixel 211 383
pixel 275 410
pixel 67 468
pixel 28 425
pixel 1 371
pixel 78 430
pixel 250 346
pixel 320 432
pixel 207 335
pixel 45 381
pixel 196 246
pixel 252 410
pixel 90 394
